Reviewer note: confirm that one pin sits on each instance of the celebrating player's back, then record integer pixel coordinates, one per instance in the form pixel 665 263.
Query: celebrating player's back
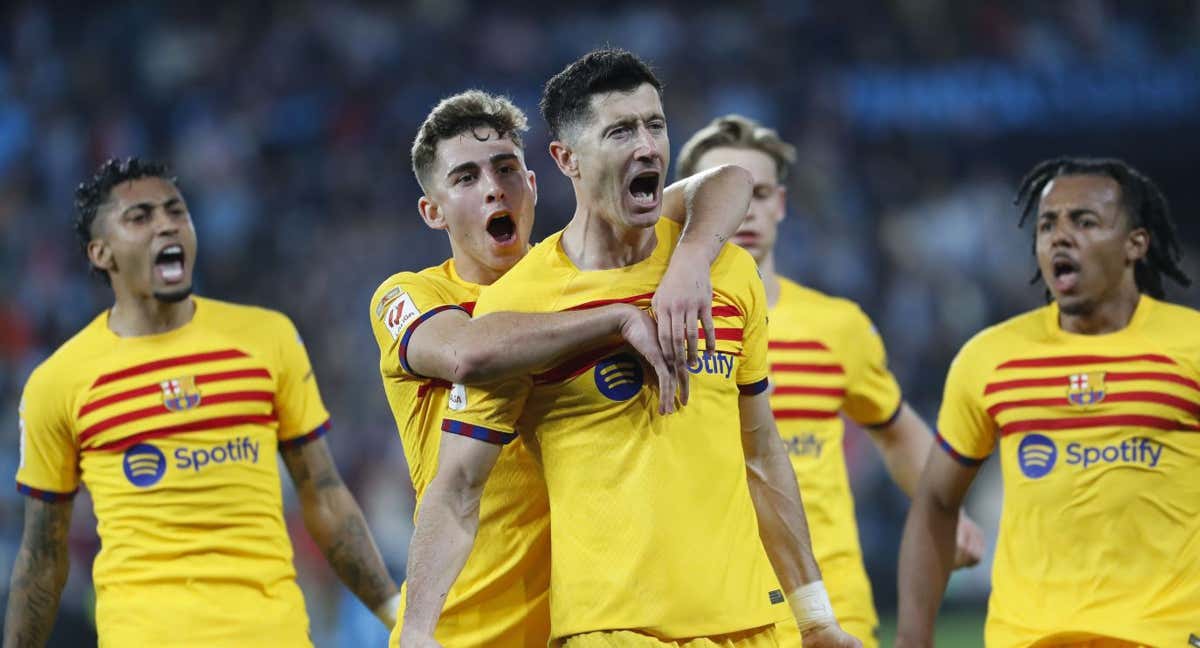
pixel 1093 404
pixel 825 358
pixel 170 409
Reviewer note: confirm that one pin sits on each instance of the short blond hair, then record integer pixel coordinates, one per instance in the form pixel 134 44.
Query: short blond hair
pixel 463 112
pixel 736 131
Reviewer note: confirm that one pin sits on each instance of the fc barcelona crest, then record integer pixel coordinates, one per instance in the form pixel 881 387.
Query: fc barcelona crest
pixel 1086 388
pixel 180 393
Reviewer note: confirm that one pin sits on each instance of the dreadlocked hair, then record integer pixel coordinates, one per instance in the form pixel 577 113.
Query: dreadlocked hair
pixel 93 193
pixel 1144 205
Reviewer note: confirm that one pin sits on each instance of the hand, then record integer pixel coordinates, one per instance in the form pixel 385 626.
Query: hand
pixel 968 550
pixel 828 636
pixel 683 298
pixel 641 332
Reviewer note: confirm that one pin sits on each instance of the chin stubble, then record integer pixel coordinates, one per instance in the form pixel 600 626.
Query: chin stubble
pixel 173 297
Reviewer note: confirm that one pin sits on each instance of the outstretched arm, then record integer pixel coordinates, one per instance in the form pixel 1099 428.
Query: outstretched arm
pixel 336 523
pixel 927 550
pixel 447 522
pixel 904 444
pixel 38 575
pixel 783 526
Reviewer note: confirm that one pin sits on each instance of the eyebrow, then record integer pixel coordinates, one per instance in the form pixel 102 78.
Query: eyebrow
pixel 498 158
pixel 631 119
pixel 169 203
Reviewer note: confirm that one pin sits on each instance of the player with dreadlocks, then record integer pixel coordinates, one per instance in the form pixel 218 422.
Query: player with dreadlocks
pixel 1093 402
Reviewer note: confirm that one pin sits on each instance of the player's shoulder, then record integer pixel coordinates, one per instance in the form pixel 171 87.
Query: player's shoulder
pixel 994 344
pixel 232 316
pixel 837 311
pixel 542 271
pixel 1173 317
pixel 62 367
pixel 440 280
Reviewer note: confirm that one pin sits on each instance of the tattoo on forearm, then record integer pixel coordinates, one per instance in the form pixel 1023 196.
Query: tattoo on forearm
pixel 353 555
pixel 39 574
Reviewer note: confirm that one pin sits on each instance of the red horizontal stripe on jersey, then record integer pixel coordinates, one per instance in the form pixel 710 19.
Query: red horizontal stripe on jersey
pixel 1060 381
pixel 803 414
pixel 799 390
pixel 794 367
pixel 1071 361
pixel 135 415
pixel 156 388
pixel 605 302
pixel 1120 397
pixel 191 426
pixel 166 363
pixel 432 384
pixel 724 333
pixel 797 345
pixel 1117 376
pixel 575 366
pixel 726 311
pixel 1077 422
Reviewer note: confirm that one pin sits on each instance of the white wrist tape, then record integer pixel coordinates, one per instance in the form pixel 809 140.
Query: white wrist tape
pixel 811 606
pixel 388 610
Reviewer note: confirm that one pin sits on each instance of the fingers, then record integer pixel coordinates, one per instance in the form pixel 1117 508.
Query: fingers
pixel 682 377
pixel 691 333
pixel 665 342
pixel 710 333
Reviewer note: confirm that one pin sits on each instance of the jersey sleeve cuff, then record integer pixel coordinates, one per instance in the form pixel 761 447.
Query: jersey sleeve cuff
pixel 891 419
pixel 412 327
pixel 754 388
pixel 479 432
pixel 315 434
pixel 955 454
pixel 44 495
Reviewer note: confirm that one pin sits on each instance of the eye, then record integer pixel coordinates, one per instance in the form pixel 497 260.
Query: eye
pixel 1045 226
pixel 618 132
pixel 657 126
pixel 762 192
pixel 507 169
pixel 464 178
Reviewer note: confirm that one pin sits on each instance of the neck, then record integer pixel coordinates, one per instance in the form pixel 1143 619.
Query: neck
pixel 1107 316
pixel 766 268
pixel 595 243
pixel 136 316
pixel 471 270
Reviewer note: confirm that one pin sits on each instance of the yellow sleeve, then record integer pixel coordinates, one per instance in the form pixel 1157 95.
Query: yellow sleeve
pixel 302 414
pixel 753 369
pixel 399 306
pixel 49 456
pixel 488 412
pixel 965 430
pixel 872 393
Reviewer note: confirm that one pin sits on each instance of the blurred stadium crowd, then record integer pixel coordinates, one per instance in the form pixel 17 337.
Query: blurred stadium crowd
pixel 289 126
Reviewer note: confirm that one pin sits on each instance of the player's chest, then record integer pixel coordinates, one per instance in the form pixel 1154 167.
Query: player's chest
pixel 1110 419
pixel 173 394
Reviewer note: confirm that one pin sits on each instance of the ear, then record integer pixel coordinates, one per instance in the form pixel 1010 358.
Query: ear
pixel 565 158
pixel 431 213
pixel 100 255
pixel 1137 245
pixel 533 185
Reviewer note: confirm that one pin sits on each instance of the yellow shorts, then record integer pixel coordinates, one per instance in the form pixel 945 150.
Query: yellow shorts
pixel 789 635
pixel 756 638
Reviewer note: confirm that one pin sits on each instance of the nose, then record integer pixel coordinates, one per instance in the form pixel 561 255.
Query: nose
pixel 164 224
pixel 493 189
pixel 1061 235
pixel 647 146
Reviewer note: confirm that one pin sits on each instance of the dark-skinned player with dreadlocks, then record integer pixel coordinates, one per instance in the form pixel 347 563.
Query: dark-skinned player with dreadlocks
pixel 1092 403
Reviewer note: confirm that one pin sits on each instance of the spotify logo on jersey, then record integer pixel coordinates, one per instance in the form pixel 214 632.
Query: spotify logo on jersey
pixel 619 377
pixel 1036 455
pixel 144 465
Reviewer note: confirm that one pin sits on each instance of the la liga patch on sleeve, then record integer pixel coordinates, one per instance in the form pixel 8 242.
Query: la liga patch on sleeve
pixel 401 313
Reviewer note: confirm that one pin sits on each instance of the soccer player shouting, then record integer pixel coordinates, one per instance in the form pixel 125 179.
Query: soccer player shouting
pixel 170 409
pixel 1092 402
pixel 656 537
pixel 468 158
pixel 825 358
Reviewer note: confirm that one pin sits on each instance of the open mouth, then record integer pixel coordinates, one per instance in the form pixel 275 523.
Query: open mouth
pixel 169 263
pixel 502 228
pixel 1066 273
pixel 644 189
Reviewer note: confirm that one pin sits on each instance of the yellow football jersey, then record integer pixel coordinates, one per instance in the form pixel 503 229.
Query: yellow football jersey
pixel 175 436
pixel 500 598
pixel 827 358
pixel 652 525
pixel 1100 450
